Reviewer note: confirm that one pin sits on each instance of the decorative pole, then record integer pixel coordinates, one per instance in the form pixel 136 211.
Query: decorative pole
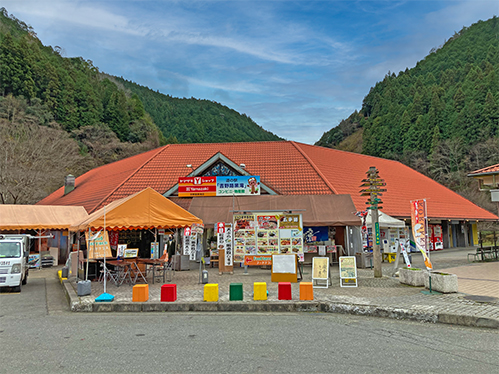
pixel 374 183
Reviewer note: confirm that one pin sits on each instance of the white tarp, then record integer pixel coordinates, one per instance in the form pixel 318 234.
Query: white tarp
pixel 385 221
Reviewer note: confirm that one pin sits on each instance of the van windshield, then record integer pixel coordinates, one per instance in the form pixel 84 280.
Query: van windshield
pixel 10 250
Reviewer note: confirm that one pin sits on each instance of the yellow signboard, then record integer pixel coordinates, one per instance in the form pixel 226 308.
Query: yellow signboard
pixel 99 246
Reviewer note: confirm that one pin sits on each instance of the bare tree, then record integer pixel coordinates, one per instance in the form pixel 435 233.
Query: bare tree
pixel 33 159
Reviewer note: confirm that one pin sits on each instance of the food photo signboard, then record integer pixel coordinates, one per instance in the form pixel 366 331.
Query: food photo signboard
pixel 348 271
pixel 244 236
pixel 258 236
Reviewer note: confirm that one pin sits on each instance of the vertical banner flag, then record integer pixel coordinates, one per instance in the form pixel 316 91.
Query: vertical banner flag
pixel 419 229
pixel 187 241
pixel 228 245
pixel 193 246
pixel 220 237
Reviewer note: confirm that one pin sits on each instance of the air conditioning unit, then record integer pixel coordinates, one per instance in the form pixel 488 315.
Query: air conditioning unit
pixel 494 195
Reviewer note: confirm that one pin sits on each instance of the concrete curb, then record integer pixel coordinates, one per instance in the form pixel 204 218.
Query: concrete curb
pixel 77 305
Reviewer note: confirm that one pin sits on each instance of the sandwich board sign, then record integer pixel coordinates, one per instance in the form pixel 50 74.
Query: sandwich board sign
pixel 348 271
pixel 320 272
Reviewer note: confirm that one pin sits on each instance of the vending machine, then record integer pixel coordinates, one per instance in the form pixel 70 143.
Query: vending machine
pixel 436 238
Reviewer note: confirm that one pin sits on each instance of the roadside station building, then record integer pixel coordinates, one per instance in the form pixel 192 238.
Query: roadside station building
pixel 285 168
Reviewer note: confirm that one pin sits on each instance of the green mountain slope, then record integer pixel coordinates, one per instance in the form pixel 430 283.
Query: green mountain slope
pixel 440 117
pixel 452 93
pixel 197 121
pixel 76 95
pixel 70 90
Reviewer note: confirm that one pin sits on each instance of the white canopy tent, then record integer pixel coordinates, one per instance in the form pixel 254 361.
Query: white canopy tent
pixel 385 221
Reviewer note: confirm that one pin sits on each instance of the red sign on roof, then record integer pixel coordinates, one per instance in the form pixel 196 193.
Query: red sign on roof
pixel 197 186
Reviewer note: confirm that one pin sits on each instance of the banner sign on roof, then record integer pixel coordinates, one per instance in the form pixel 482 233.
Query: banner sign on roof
pixel 219 186
pixel 197 186
pixel 238 185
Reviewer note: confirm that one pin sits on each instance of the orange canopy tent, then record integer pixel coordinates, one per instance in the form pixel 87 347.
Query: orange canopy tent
pixel 146 209
pixel 39 217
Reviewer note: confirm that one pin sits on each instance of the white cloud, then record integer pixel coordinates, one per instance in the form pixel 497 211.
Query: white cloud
pixel 78 13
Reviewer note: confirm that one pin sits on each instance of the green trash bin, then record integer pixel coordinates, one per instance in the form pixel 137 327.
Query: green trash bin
pixel 236 291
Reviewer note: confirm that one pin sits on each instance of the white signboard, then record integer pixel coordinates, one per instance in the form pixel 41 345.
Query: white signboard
pixel 284 264
pixel 193 246
pixel 187 242
pixel 229 253
pixel 121 250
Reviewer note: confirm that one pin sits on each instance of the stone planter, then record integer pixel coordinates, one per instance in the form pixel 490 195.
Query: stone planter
pixel 441 282
pixel 412 277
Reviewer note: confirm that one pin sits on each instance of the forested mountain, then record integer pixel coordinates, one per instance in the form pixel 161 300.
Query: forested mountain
pixel 62 115
pixel 197 121
pixel 440 117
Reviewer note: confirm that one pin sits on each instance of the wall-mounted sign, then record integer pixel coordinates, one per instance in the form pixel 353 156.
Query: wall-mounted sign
pixel 197 186
pixel 220 227
pixel 315 234
pixel 238 185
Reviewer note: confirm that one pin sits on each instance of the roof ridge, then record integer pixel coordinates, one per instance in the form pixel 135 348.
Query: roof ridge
pixel 323 177
pixel 161 149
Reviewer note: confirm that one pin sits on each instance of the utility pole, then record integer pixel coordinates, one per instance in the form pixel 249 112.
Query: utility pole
pixel 374 183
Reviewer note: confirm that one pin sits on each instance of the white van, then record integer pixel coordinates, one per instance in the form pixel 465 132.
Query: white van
pixel 14 253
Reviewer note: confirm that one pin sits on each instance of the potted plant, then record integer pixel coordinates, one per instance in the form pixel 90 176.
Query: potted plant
pixel 412 276
pixel 441 282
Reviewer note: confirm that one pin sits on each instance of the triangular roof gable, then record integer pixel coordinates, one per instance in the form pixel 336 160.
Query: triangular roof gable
pixel 205 167
pixel 143 210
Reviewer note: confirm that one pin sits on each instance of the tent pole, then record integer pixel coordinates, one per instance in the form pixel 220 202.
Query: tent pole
pixel 104 233
pixel 40 249
pixel 88 250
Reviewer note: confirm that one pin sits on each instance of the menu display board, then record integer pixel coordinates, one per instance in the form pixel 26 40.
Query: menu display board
pixel 264 234
pixel 267 234
pixel 244 236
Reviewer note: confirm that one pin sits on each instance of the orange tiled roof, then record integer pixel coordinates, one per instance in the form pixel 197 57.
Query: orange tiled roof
pixel 289 168
pixel 494 169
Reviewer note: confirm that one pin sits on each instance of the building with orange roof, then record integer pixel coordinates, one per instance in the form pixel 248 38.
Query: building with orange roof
pixel 488 181
pixel 285 168
pixel 488 176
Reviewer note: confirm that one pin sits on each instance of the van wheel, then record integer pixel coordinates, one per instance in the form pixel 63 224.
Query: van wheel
pixel 25 280
pixel 16 289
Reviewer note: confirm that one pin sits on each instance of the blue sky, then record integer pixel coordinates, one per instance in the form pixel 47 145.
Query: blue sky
pixel 297 68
